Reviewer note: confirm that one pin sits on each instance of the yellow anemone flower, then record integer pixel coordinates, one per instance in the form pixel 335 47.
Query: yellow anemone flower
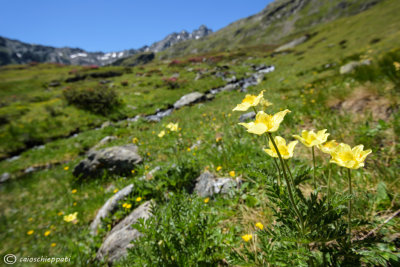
pixel 310 139
pixel 247 238
pixel 352 158
pixel 285 150
pixel 328 147
pixel 265 122
pixel 161 134
pixel 71 217
pixel 249 101
pixel 259 225
pixel 138 199
pixel 265 103
pixel 173 127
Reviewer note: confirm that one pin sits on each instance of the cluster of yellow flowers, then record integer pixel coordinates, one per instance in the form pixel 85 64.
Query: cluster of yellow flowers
pixel 173 127
pixel 71 217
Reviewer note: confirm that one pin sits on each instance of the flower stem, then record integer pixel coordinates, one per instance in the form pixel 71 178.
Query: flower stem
pixel 279 172
pixel 329 182
pixel 313 156
pixel 351 193
pixel 287 183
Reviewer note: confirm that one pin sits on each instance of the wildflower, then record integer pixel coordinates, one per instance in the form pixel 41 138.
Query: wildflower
pixel 206 200
pixel 148 154
pixel 396 65
pixel 138 199
pixel 53 245
pixel 312 100
pixel 265 122
pixel 127 206
pixel 71 217
pixel 30 219
pixel 173 126
pixel 73 191
pixel 74 204
pixel 60 213
pixel 47 233
pixel 218 139
pixel 232 173
pixel 310 139
pixel 66 168
pixel 286 151
pixel 219 168
pixel 161 134
pixel 30 232
pixel 328 147
pixel 135 140
pixel 188 149
pixel 352 158
pixel 247 238
pixel 133 171
pixel 249 101
pixel 259 225
pixel 265 103
pixel 146 167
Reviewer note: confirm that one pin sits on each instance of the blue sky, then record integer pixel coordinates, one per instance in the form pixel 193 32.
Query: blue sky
pixel 112 25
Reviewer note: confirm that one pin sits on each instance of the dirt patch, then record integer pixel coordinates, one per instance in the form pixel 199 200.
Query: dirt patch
pixel 362 101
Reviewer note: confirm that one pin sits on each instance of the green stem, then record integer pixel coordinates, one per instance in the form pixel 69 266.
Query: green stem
pixel 313 156
pixel 351 193
pixel 288 183
pixel 329 181
pixel 279 172
pixel 290 173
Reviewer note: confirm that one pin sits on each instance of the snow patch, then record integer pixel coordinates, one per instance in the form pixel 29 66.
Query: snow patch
pixel 78 55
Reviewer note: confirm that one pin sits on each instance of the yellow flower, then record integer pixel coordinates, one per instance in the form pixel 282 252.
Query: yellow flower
pixel 352 158
pixel 218 139
pixel 188 149
pixel 60 213
pixel 286 151
pixel 247 238
pixel 30 219
pixel 73 191
pixel 206 200
pixel 173 126
pixel 135 140
pixel 138 199
pixel 30 232
pixel 47 233
pixel 53 245
pixel 312 100
pixel 71 217
pixel 148 154
pixel 219 168
pixel 232 173
pixel 309 138
pixel 249 101
pixel 328 147
pixel 265 103
pixel 259 225
pixel 396 65
pixel 74 204
pixel 265 122
pixel 133 171
pixel 161 134
pixel 115 190
pixel 66 168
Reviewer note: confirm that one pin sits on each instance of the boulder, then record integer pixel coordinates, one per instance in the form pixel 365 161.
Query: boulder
pixel 189 99
pixel 247 116
pixel 110 205
pixel 103 141
pixel 117 242
pixel 349 67
pixel 208 185
pixel 117 159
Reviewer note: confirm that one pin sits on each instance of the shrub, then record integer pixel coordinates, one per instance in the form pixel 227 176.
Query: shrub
pixel 183 232
pixel 97 99
pixel 171 82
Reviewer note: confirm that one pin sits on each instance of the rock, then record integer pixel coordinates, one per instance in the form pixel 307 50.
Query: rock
pixel 109 206
pixel 247 116
pixel 119 239
pixel 134 119
pixel 198 77
pixel 5 177
pixel 207 185
pixel 209 96
pixel 150 174
pixel 349 67
pixel 106 124
pixel 189 99
pixel 230 87
pixel 29 169
pixel 117 159
pixel 159 115
pixel 232 79
pixel 293 43
pixel 103 141
pixel 54 84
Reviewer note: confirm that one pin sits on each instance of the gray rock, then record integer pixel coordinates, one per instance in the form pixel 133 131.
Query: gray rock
pixel 189 99
pixel 106 124
pixel 150 174
pixel 119 239
pixel 29 169
pixel 159 115
pixel 109 206
pixel 117 159
pixel 349 67
pixel 230 87
pixel 247 116
pixel 207 185
pixel 103 141
pixel 5 177
pixel 292 44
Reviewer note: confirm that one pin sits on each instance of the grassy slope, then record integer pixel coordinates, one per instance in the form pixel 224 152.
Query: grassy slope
pixel 299 83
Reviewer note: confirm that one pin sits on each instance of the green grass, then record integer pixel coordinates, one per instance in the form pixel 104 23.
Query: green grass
pixel 300 83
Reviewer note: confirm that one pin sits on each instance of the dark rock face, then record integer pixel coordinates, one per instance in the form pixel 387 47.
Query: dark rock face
pixel 118 160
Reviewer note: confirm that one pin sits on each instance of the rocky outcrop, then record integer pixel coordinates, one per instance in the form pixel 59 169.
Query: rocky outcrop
pixel 189 99
pixel 118 160
pixel 208 185
pixel 117 242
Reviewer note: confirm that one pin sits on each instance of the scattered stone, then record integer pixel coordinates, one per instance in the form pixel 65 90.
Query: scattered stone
pixel 13 158
pixel 349 67
pixel 54 84
pixel 106 124
pixel 247 116
pixel 159 115
pixel 232 79
pixel 230 87
pixel 119 239
pixel 29 169
pixel 293 43
pixel 118 159
pixel 189 99
pixel 209 96
pixel 104 81
pixel 103 141
pixel 207 185
pixel 5 177
pixel 150 174
pixel 109 207
pixel 134 119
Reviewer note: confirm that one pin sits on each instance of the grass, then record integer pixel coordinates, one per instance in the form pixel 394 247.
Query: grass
pixel 31 112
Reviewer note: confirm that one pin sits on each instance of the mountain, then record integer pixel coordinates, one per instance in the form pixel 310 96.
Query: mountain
pixel 16 52
pixel 279 22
